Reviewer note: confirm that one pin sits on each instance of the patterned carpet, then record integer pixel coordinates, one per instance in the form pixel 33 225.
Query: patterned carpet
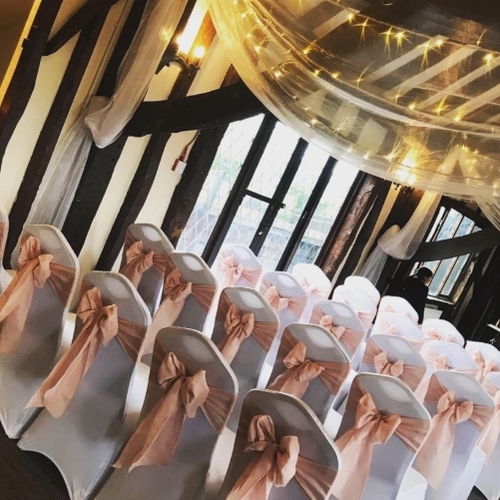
pixel 30 476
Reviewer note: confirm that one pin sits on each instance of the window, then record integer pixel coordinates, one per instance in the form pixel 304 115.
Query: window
pixel 450 274
pixel 262 204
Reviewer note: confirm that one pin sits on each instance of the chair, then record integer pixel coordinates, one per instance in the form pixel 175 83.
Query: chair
pixel 237 265
pixel 486 356
pixel 311 365
pixel 396 356
pixel 341 321
pixel 4 230
pixel 85 421
pixel 245 328
pixel 440 329
pixel 365 285
pixel 359 301
pixel 389 303
pixel 309 460
pixel 314 282
pixel 488 481
pixel 399 324
pixel 382 429
pixel 150 466
pixel 460 410
pixel 143 261
pixel 29 342
pixel 188 294
pixel 285 295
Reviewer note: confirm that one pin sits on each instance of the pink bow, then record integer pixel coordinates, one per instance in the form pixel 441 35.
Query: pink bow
pixel 278 303
pixel 385 367
pixel 484 367
pixel 350 339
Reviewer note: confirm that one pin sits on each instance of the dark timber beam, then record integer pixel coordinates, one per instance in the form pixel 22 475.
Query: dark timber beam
pixel 23 80
pixel 211 109
pixel 49 135
pixel 471 243
pixel 150 162
pixel 77 22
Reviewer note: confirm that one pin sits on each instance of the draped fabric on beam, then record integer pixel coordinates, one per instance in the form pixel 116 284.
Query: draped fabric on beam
pixel 375 94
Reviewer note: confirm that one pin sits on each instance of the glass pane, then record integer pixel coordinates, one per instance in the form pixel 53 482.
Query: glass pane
pixel 454 275
pixel 432 232
pixel 440 275
pixel 295 200
pixel 449 225
pixel 326 213
pixel 274 160
pixel 245 223
pixel 230 156
pixel 466 227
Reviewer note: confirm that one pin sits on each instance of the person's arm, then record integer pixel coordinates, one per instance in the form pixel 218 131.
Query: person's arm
pixel 420 302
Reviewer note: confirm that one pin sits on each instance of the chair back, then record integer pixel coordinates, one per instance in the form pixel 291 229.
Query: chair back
pixel 248 357
pixel 237 265
pixel 390 303
pixel 321 347
pixel 291 417
pixel 390 461
pixel 440 329
pixel 364 284
pixel 22 371
pixel 314 282
pixel 153 239
pixel 401 325
pixel 396 349
pixel 359 301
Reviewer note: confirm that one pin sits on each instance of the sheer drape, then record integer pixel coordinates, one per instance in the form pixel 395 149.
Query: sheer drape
pixel 104 119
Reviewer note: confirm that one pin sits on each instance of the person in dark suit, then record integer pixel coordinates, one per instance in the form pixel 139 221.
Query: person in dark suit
pixel 415 289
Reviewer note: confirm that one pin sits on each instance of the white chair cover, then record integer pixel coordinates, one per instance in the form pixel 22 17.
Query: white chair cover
pixel 320 345
pixel 399 324
pixel 249 272
pixel 359 301
pixel 87 438
pixel 4 230
pixel 397 348
pixel 314 282
pixel 488 481
pixel 390 303
pixel 483 352
pixel 434 327
pixel 22 371
pixel 390 461
pixel 455 484
pixel 291 417
pixel 185 476
pixel 253 352
pixel 153 239
pixel 193 270
pixel 364 284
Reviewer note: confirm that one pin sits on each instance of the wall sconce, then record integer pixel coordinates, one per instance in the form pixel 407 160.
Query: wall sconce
pixel 189 62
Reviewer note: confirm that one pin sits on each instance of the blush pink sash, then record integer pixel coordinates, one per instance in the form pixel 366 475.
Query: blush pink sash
pixel 432 460
pixel 370 428
pixel 4 229
pixel 35 270
pixel 155 440
pixel 383 326
pixel 240 326
pixel 137 260
pixel 294 304
pixel 433 334
pixel 484 367
pixel 301 371
pixel 440 362
pixel 489 438
pixel 175 293
pixel 277 463
pixel 407 312
pixel 409 374
pixel 232 271
pixel 318 292
pixel 100 325
pixel 349 338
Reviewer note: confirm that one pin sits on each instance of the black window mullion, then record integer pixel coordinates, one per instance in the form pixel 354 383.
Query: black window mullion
pixel 237 193
pixel 278 197
pixel 306 215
